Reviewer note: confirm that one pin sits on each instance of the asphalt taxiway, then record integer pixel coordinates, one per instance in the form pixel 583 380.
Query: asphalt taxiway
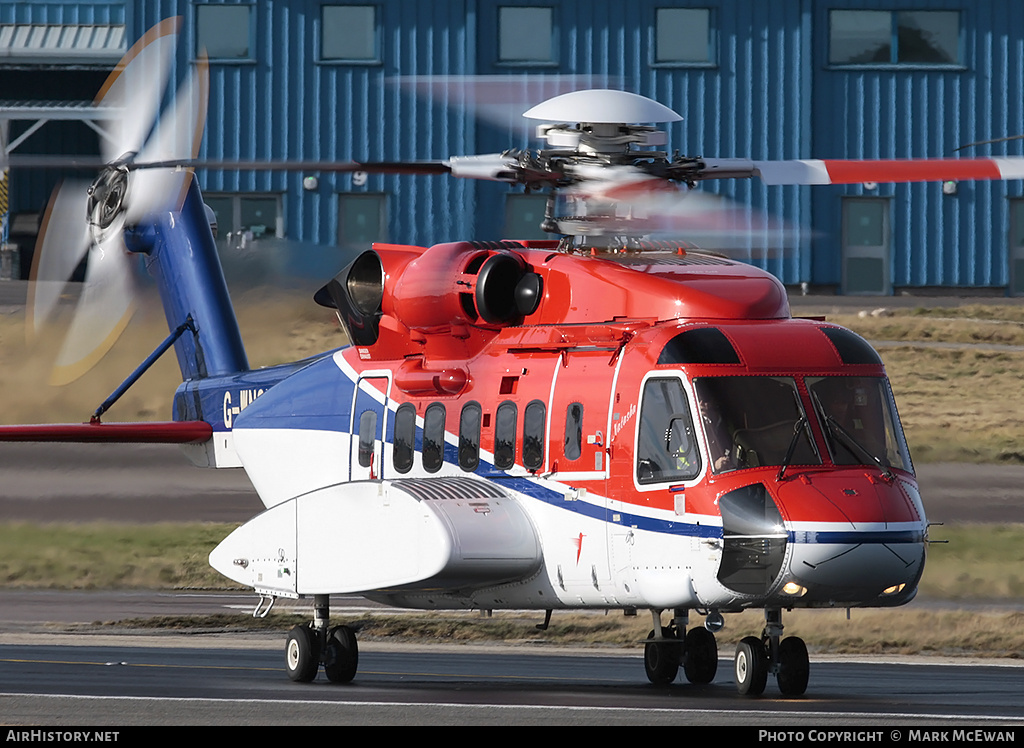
pixel 50 674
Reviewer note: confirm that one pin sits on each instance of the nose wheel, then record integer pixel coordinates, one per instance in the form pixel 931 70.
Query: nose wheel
pixel 666 650
pixel 757 657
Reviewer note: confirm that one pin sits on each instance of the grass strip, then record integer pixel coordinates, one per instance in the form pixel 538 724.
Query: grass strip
pixel 976 563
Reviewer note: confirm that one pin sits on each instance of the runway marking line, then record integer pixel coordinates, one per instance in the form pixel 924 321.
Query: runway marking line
pixel 391 673
pixel 544 707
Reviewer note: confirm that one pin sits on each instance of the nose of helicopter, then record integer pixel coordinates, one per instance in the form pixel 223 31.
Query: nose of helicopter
pixel 839 538
pixel 856 536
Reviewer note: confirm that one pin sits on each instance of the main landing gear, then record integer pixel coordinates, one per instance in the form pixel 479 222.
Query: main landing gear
pixel 786 658
pixel 310 645
pixel 668 647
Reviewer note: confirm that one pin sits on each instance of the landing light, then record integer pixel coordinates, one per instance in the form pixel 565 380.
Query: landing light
pixel 894 589
pixel 794 590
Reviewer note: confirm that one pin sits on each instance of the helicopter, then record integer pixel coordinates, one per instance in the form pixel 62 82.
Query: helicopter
pixel 607 420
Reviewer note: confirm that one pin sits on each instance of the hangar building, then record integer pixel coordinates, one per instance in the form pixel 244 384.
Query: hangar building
pixel 390 80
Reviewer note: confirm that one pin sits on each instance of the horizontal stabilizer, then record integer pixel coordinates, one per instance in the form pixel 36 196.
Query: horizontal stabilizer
pixel 166 432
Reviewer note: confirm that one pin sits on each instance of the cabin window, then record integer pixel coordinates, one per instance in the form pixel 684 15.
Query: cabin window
pixel 367 437
pixel 573 431
pixel 433 437
pixel 533 435
pixel 505 435
pixel 666 449
pixel 405 437
pixel 469 436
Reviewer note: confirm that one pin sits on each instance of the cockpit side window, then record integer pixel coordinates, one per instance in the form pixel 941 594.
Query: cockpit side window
pixel 666 450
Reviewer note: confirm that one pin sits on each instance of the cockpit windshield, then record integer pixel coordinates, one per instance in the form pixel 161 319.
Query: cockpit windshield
pixel 754 422
pixel 859 421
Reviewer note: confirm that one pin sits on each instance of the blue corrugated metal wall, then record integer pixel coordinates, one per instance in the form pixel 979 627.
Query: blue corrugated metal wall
pixel 30 189
pixel 905 112
pixel 768 92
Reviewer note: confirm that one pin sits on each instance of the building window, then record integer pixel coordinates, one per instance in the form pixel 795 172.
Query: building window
pixel 526 35
pixel 244 217
pixel 682 36
pixel 348 33
pixel 225 32
pixel 362 219
pixel 905 37
pixel 524 214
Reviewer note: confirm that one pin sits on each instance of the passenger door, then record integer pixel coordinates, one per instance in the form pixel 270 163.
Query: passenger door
pixel 368 426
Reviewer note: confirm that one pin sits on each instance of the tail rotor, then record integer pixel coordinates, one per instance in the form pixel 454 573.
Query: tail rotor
pixel 89 221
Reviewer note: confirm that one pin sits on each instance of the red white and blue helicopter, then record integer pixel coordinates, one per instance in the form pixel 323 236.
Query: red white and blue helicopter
pixel 598 421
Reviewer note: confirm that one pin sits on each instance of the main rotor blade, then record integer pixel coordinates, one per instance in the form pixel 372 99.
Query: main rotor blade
pixel 373 167
pixel 93 163
pixel 62 243
pixel 840 171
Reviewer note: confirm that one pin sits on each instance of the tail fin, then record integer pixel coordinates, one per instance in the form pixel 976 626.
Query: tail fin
pixel 182 256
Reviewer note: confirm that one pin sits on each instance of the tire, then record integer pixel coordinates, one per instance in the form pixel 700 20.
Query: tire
pixel 751 666
pixel 661 660
pixel 341 660
pixel 700 656
pixel 794 666
pixel 302 654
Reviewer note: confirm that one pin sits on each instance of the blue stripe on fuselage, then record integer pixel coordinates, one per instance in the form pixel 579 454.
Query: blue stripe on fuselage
pixel 318 396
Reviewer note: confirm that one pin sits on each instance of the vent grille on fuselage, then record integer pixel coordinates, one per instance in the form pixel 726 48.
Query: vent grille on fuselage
pixel 434 489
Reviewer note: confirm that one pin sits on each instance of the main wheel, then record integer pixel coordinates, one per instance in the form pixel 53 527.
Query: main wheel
pixel 751 666
pixel 661 660
pixel 341 660
pixel 700 656
pixel 302 654
pixel 794 666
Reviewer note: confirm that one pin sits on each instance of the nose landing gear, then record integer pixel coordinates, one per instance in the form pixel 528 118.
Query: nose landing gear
pixel 666 650
pixel 786 658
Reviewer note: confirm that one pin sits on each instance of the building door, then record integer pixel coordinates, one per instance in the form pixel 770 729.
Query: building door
pixel 866 246
pixel 362 219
